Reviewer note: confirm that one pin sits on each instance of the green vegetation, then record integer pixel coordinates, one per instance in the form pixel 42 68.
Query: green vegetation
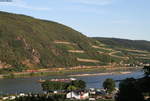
pixel 52 86
pixel 79 84
pixel 109 85
pixel 125 43
pixel 132 89
pixel 146 70
pixel 129 91
pixel 136 51
pixel 73 85
pixel 30 43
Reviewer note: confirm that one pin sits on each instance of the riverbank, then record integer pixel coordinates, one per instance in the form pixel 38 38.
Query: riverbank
pixel 101 74
pixel 86 71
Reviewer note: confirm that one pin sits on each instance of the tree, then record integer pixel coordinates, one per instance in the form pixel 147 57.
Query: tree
pixel 132 89
pixel 52 86
pixel 146 70
pixel 79 84
pixel 144 84
pixel 129 91
pixel 71 87
pixel 109 85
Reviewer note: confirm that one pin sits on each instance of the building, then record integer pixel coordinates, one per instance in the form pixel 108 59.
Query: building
pixel 77 95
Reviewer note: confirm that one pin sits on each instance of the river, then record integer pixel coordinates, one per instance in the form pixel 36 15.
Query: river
pixel 26 85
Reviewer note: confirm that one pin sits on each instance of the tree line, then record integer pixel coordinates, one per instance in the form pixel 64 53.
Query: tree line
pixel 132 89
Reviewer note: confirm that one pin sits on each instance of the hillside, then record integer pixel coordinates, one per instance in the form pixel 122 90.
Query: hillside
pixel 138 51
pixel 125 43
pixel 27 43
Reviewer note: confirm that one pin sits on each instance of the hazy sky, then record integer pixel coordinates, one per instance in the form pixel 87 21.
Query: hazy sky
pixel 102 18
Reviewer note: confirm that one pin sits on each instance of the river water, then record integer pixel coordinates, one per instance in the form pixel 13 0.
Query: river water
pixel 26 85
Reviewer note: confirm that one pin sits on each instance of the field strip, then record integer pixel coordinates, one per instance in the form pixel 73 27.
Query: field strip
pixel 98 47
pixel 139 51
pixel 63 42
pixel 76 51
pixel 88 60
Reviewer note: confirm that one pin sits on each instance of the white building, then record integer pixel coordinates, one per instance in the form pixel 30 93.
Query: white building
pixel 77 96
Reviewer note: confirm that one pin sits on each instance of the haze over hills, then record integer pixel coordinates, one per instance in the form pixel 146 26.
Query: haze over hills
pixel 27 42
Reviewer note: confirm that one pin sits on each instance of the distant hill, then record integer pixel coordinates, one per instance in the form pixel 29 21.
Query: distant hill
pixel 137 51
pixel 125 43
pixel 27 43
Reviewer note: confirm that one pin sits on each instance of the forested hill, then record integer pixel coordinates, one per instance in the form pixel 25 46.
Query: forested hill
pixel 27 42
pixel 33 43
pixel 125 43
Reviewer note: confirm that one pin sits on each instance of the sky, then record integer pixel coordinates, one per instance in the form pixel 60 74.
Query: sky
pixel 128 19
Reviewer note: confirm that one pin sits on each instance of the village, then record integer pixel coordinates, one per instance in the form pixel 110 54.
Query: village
pixel 76 90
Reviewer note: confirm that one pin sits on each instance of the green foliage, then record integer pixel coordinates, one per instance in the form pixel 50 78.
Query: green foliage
pixel 124 43
pixel 146 70
pixel 79 84
pixel 129 91
pixel 16 68
pixel 132 89
pixel 29 42
pixel 109 85
pixel 52 86
pixel 71 87
pixel 23 38
pixel 137 51
pixel 143 84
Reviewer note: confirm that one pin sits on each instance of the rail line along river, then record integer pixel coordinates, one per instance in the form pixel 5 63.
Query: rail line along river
pixel 26 85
